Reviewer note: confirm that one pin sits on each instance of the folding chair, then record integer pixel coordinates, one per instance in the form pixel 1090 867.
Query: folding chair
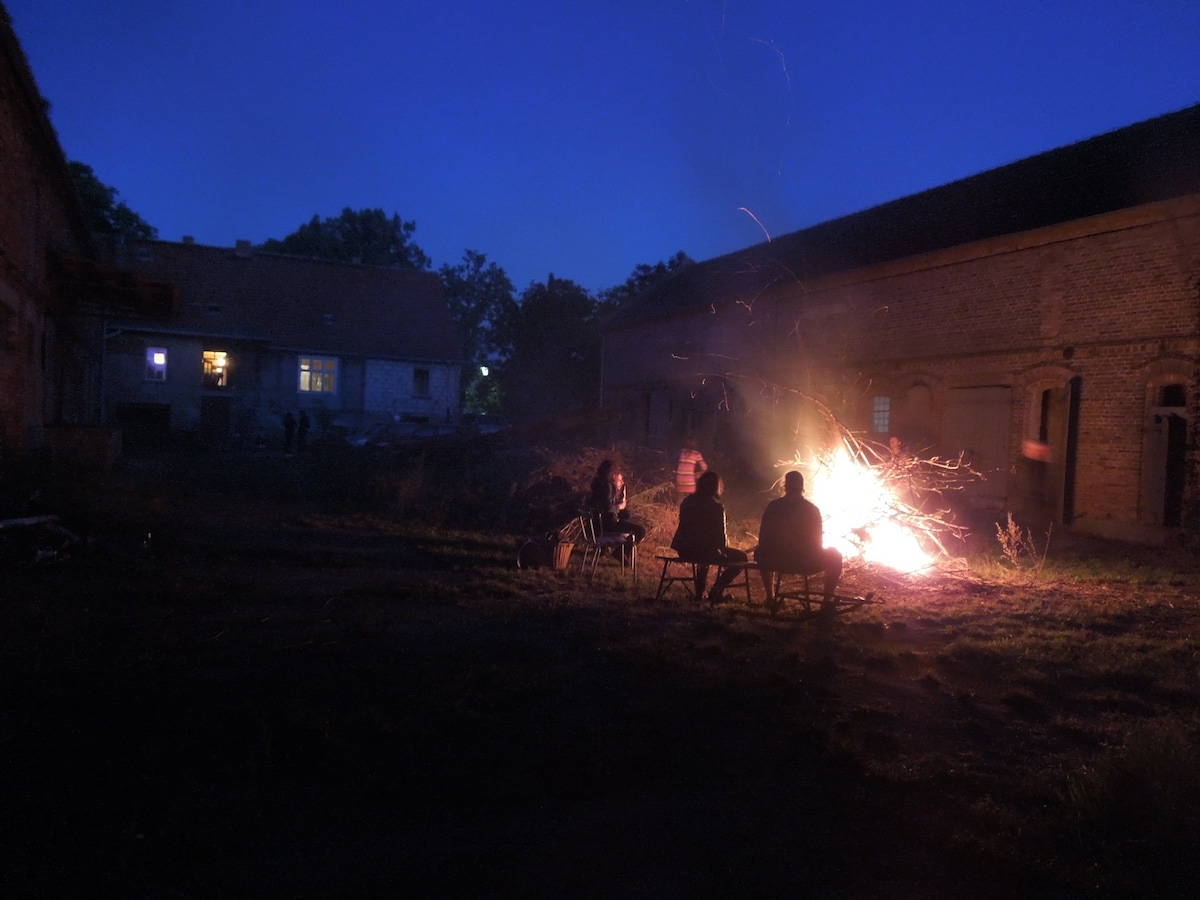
pixel 802 592
pixel 595 542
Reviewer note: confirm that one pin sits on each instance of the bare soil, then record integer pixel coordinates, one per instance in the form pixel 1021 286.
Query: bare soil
pixel 229 694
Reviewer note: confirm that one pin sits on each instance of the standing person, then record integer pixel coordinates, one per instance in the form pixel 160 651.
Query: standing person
pixel 608 499
pixel 702 539
pixel 289 432
pixel 687 467
pixel 791 539
pixel 302 431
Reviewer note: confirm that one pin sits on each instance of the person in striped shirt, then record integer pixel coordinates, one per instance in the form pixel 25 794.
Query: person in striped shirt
pixel 690 464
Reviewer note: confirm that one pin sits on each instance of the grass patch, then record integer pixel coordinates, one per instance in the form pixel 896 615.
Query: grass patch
pixel 307 687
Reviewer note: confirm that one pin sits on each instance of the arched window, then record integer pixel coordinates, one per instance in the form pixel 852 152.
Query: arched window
pixel 1173 395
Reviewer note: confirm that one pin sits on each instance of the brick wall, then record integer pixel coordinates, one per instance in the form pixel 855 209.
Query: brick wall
pixel 1104 311
pixel 41 369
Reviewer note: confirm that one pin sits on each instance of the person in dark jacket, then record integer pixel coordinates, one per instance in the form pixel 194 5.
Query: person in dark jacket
pixel 701 537
pixel 302 431
pixel 790 539
pixel 289 432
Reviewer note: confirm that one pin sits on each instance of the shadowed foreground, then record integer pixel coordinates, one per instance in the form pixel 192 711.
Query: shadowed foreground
pixel 273 701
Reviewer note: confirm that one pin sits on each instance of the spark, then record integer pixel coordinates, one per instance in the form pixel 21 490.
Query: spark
pixel 755 218
pixel 770 45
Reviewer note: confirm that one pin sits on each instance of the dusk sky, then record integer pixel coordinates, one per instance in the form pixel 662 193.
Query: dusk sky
pixel 582 138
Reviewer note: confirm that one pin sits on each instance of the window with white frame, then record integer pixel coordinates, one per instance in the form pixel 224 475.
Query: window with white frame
pixel 156 363
pixel 318 375
pixel 881 415
pixel 216 369
pixel 420 382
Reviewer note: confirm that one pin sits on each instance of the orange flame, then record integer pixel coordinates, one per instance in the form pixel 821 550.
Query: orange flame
pixel 863 518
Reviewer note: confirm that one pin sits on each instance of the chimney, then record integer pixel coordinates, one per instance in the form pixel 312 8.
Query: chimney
pixel 243 248
pixel 188 239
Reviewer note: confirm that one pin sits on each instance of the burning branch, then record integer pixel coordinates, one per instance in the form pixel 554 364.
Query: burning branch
pixel 882 504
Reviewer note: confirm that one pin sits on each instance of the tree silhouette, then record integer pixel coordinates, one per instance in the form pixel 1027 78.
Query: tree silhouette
pixel 555 360
pixel 481 300
pixel 644 276
pixel 101 210
pixel 366 236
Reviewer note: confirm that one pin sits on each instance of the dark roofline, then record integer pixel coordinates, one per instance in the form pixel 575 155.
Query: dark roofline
pixel 299 302
pixel 1150 161
pixel 37 114
pixel 116 248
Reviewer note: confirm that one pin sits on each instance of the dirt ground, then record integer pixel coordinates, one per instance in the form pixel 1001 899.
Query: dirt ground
pixel 244 697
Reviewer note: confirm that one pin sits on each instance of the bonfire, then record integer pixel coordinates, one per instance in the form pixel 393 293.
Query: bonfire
pixel 884 506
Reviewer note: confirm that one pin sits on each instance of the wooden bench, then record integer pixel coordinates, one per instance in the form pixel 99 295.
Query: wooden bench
pixel 683 571
pixel 801 590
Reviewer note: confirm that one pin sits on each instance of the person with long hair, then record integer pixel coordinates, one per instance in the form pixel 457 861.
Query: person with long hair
pixel 608 499
pixel 702 538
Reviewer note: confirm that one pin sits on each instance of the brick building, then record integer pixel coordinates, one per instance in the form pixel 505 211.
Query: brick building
pixel 1042 319
pixel 43 352
pixel 252 336
pixel 155 337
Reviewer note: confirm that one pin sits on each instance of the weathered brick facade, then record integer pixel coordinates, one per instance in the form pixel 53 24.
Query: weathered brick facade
pixel 1075 335
pixel 42 353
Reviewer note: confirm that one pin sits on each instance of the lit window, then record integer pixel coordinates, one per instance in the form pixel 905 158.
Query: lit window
pixel 156 364
pixel 216 369
pixel 420 382
pixel 881 415
pixel 318 375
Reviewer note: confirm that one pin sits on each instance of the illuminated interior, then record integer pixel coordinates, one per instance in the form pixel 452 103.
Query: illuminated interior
pixel 216 368
pixel 156 364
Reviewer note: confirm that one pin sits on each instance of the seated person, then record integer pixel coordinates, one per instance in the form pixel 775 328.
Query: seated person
pixel 701 536
pixel 607 499
pixel 790 539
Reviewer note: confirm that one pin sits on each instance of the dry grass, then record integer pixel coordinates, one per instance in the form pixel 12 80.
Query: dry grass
pixel 299 691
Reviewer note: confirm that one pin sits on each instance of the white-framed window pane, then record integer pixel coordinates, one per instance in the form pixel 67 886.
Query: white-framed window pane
pixel 156 363
pixel 318 375
pixel 881 414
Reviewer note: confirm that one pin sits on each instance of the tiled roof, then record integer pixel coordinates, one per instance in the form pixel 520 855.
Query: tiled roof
pixel 301 304
pixel 1155 160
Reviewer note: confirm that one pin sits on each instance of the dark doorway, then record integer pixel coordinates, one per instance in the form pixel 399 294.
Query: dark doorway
pixel 144 426
pixel 1051 475
pixel 1070 452
pixel 1164 467
pixel 1174 396
pixel 214 421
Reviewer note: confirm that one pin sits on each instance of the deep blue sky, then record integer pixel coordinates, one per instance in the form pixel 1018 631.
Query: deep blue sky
pixel 582 138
